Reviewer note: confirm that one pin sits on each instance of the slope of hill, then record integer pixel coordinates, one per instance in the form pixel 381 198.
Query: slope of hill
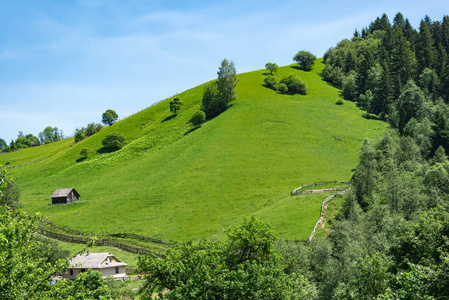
pixel 173 182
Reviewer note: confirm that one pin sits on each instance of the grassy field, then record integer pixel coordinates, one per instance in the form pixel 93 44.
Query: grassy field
pixel 176 183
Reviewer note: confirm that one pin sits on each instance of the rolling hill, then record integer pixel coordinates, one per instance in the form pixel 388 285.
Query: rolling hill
pixel 175 182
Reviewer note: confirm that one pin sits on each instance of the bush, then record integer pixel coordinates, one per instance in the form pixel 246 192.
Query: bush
pixel 198 118
pixel 282 88
pixel 84 153
pixel 113 141
pixel 295 85
pixel 339 101
pixel 271 82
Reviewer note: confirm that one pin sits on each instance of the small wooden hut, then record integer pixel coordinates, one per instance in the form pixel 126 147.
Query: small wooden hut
pixel 65 196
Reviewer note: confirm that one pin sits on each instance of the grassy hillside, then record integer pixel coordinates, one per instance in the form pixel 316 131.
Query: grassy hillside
pixel 176 183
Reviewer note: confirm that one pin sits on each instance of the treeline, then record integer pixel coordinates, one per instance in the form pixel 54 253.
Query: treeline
pixel 91 129
pixel 399 74
pixel 48 135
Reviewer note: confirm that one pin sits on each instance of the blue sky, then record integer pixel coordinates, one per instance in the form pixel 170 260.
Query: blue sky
pixel 63 63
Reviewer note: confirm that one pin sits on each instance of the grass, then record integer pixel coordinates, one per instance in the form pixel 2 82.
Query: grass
pixel 175 183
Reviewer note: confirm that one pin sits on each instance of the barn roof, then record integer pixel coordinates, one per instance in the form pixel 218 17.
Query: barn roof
pixel 95 261
pixel 63 193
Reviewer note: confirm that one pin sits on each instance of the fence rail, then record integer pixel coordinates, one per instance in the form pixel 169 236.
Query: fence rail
pixel 322 209
pixel 296 191
pixel 101 242
pixel 121 235
pixel 140 237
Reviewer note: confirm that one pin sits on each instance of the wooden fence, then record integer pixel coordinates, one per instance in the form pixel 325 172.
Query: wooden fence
pixel 140 237
pixel 121 235
pixel 99 242
pixel 296 191
pixel 322 209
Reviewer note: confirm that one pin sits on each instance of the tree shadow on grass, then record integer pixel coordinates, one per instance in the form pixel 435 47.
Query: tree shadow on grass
pixel 192 130
pixel 81 159
pixel 301 68
pixel 104 150
pixel 168 118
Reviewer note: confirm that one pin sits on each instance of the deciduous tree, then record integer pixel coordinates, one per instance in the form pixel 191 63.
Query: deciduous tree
pixel 271 67
pixel 109 117
pixel 227 80
pixel 175 105
pixel 305 59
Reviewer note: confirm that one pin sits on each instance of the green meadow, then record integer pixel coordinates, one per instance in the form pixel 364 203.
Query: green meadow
pixel 175 182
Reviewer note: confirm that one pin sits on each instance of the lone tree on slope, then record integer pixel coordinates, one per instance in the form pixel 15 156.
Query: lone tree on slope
pixel 109 117
pixel 175 105
pixel 271 67
pixel 305 59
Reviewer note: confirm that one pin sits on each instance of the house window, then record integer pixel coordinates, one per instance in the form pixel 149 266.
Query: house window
pixel 83 270
pixel 71 272
pixel 117 270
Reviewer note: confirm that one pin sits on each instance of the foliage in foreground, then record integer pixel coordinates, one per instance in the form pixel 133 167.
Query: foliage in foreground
pixel 27 265
pixel 246 266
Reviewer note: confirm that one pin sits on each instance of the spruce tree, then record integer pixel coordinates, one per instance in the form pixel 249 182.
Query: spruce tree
pixel 425 49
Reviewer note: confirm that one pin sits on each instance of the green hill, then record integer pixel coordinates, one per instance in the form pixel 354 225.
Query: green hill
pixel 176 183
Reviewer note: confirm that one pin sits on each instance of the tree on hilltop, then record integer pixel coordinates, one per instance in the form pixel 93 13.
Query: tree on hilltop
pixel 227 80
pixel 305 59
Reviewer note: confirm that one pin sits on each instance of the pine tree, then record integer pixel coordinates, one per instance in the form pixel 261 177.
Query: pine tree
pixel 367 62
pixel 399 20
pixel 383 96
pixel 410 34
pixel 425 49
pixel 403 60
pixel 445 33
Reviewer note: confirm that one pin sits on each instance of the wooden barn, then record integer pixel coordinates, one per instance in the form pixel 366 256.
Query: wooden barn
pixel 65 196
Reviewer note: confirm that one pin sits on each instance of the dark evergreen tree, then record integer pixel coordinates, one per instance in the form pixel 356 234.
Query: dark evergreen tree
pixel 441 130
pixel 367 62
pixel 399 20
pixel 403 60
pixel 384 94
pixel 425 50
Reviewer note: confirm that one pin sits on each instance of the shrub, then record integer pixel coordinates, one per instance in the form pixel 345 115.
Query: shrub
pixel 271 82
pixel 113 141
pixel 295 85
pixel 282 88
pixel 339 101
pixel 84 153
pixel 198 118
